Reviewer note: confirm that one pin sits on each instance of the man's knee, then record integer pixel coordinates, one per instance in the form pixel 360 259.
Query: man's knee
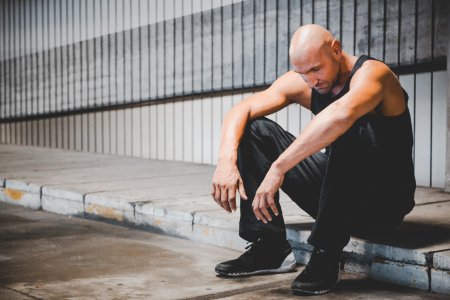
pixel 259 126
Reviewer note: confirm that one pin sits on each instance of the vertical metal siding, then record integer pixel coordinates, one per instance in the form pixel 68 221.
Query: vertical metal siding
pixel 64 64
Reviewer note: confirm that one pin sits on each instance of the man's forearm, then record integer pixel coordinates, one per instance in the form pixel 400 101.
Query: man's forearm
pixel 324 129
pixel 232 130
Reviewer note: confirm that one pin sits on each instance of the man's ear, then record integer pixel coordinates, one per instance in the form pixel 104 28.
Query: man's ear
pixel 336 48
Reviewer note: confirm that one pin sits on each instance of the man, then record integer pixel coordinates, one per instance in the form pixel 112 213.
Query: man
pixel 363 182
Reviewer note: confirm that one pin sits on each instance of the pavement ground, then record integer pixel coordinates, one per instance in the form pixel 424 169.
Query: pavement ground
pixel 173 198
pixel 49 256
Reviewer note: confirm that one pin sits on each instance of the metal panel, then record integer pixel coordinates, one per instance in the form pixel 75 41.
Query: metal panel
pixel 169 57
pixel 197 52
pixel 179 47
pixel 282 37
pixel 197 131
pixel 270 41
pixel 423 129
pixel 217 49
pixel 145 131
pixel 217 120
pixel 362 33
pixel 227 39
pixel 136 129
pixel 153 131
pixel 407 22
pixel 348 26
pixel 188 130
pixel 178 131
pixel 169 133
pixel 259 41
pixel 207 46
pixel 439 128
pixel 320 12
pixel 160 134
pixel 237 45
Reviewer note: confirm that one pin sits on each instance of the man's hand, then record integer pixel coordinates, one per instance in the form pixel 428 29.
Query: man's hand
pixel 226 180
pixel 265 195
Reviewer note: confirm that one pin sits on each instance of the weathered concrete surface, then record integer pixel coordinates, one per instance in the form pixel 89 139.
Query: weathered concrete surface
pixel 52 257
pixel 351 287
pixel 440 273
pixel 173 198
pixel 47 256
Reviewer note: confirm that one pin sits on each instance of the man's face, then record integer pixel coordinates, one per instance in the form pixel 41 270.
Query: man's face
pixel 319 70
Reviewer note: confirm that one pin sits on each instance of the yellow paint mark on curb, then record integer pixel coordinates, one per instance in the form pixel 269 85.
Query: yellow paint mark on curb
pixel 106 212
pixel 157 222
pixel 206 231
pixel 14 194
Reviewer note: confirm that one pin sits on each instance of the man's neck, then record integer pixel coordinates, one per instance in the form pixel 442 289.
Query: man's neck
pixel 345 68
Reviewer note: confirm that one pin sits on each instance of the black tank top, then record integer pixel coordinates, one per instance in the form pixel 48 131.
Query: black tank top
pixel 390 137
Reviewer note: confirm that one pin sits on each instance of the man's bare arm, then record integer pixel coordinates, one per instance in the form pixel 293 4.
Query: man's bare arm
pixel 366 92
pixel 226 180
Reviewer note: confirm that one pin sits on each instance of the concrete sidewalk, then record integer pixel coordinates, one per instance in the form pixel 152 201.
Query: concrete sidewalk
pixel 49 256
pixel 173 198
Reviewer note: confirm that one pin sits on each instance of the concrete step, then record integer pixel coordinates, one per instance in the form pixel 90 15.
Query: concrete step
pixel 173 198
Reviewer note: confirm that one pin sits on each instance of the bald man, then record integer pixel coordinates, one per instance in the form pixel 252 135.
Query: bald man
pixel 362 182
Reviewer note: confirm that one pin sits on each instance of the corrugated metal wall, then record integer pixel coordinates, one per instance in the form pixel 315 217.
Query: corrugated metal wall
pixel 154 78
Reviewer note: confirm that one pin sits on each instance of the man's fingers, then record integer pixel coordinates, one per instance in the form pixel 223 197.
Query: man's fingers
pixel 257 205
pixel 265 212
pixel 273 206
pixel 242 190
pixel 232 198
pixel 224 199
pixel 217 195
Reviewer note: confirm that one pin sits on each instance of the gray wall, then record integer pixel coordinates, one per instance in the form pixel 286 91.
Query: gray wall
pixel 155 78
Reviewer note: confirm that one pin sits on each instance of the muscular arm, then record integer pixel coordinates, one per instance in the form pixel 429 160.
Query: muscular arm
pixel 367 90
pixel 226 179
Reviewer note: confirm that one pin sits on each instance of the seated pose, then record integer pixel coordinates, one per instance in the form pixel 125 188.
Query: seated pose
pixel 363 181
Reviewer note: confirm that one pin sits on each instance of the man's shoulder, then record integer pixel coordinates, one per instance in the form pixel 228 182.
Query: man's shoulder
pixel 373 69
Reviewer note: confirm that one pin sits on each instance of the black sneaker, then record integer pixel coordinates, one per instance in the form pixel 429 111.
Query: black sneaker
pixel 320 275
pixel 261 258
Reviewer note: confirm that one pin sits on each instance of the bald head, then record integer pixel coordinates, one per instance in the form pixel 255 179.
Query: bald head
pixel 307 39
pixel 316 55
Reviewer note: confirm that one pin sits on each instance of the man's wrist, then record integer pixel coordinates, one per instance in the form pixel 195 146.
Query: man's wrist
pixel 229 158
pixel 277 166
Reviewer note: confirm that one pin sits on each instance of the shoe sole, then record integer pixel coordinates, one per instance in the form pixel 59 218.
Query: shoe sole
pixel 300 292
pixel 288 265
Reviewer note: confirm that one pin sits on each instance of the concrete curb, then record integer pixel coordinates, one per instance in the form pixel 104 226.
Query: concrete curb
pixel 409 267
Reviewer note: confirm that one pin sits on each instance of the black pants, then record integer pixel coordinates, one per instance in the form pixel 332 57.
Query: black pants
pixel 346 189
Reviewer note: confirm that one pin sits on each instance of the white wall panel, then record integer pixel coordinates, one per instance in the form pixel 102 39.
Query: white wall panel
pixel 120 132
pixel 217 120
pixel 113 142
pixel 188 131
pixel 145 131
pixel 99 139
pixel 153 132
pixel 423 129
pixel 161 132
pixel 178 131
pixel 169 131
pixel 439 128
pixel 136 129
pixel 293 125
pixel 197 138
pixel 128 132
pixel 106 132
pixel 207 130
